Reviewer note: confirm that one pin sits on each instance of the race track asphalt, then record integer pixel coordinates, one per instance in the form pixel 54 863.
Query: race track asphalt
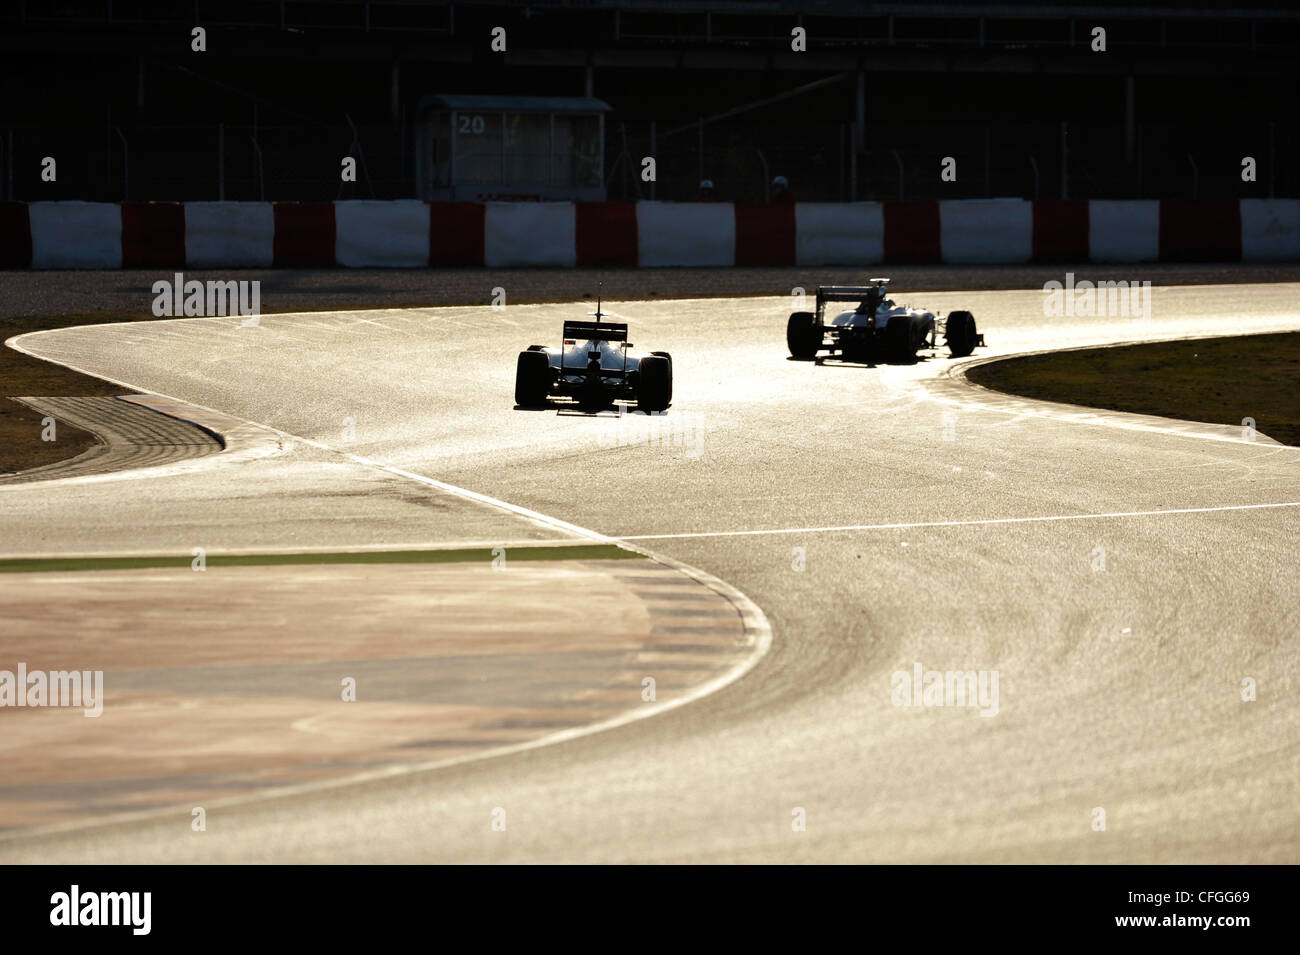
pixel 1122 576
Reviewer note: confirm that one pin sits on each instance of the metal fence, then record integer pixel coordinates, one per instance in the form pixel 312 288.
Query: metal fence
pixel 208 162
pixel 1043 161
pixel 106 161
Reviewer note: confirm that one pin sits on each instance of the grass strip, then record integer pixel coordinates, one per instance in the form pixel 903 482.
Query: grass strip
pixel 36 565
pixel 1219 380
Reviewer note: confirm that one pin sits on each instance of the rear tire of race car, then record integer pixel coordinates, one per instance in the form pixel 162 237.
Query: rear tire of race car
pixel 803 335
pixel 532 379
pixel 654 383
pixel 960 334
pixel 664 354
pixel 899 344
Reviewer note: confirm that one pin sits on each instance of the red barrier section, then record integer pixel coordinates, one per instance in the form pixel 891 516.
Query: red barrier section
pixel 606 234
pixel 15 236
pixel 912 233
pixel 1061 230
pixel 304 234
pixel 153 235
pixel 765 234
pixel 629 234
pixel 1195 231
pixel 456 233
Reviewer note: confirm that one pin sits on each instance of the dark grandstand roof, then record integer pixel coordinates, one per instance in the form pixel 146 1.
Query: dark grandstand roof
pixel 517 104
pixel 924 8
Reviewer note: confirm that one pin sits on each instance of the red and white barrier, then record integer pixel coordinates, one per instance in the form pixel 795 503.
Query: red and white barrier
pixel 765 233
pixel 529 233
pixel 456 234
pixel 979 231
pixel 685 233
pixel 304 235
pixel 414 234
pixel 76 235
pixel 1270 230
pixel 1200 231
pixel 837 233
pixel 1124 230
pixel 386 234
pixel 229 234
pixel 15 236
pixel 913 233
pixel 153 235
pixel 606 234
pixel 1061 230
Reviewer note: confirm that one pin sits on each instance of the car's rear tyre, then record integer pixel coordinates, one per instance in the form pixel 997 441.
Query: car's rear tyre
pixel 664 354
pixel 899 343
pixel 654 383
pixel 803 335
pixel 532 379
pixel 960 334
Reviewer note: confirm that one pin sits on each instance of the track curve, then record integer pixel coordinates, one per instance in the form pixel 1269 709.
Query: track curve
pixel 883 528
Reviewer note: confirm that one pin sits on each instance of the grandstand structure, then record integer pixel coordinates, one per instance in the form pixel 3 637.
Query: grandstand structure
pixel 866 103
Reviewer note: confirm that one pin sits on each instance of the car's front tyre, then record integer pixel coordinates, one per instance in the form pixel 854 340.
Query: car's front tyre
pixel 959 333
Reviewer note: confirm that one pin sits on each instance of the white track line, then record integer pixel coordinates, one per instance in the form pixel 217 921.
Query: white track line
pixel 844 528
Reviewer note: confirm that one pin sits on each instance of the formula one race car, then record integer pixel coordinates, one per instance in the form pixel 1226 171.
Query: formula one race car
pixel 877 330
pixel 594 365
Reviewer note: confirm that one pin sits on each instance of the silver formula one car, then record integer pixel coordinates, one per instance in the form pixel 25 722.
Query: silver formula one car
pixel 595 366
pixel 877 330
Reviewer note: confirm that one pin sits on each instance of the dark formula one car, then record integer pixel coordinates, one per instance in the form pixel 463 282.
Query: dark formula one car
pixel 595 366
pixel 877 330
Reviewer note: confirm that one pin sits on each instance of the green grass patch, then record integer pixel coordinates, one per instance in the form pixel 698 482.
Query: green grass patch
pixel 1218 380
pixel 36 565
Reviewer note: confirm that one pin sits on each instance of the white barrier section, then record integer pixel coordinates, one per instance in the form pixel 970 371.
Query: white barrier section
pixel 986 230
pixel 1270 229
pixel 529 233
pixel 686 233
pixel 381 233
pixel 76 235
pixel 1124 230
pixel 836 233
pixel 229 234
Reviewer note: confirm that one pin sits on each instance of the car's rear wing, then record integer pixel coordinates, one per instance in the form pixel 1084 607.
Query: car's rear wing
pixel 844 293
pixel 849 293
pixel 595 331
